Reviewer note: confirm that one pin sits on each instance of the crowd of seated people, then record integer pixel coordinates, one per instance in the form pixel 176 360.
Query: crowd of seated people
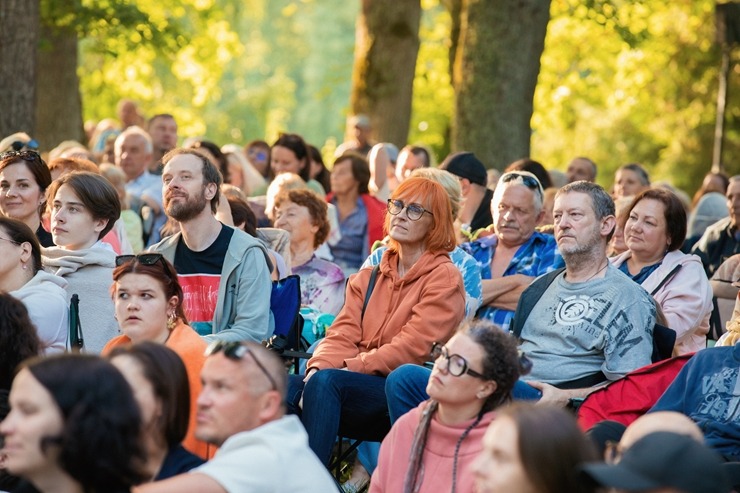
pixel 469 323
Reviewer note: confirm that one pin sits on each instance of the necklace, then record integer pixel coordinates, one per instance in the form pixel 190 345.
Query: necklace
pixel 598 271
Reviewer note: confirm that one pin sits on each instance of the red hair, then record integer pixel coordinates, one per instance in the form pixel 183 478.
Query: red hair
pixel 432 196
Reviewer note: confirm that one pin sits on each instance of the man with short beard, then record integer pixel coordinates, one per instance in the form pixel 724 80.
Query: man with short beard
pixel 224 272
pixel 590 323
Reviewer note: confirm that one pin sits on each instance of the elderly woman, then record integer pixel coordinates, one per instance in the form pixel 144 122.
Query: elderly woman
pixel 304 215
pixel 392 315
pixel 24 178
pixel 654 231
pixel 432 447
pixel 148 303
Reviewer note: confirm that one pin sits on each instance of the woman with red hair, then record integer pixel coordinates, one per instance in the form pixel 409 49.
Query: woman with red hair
pixel 391 316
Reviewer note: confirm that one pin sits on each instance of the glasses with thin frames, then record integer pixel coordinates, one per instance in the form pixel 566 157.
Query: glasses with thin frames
pixel 413 211
pixel 236 351
pixel 457 366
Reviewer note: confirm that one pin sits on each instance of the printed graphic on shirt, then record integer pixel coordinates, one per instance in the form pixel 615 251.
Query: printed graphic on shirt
pixel 200 295
pixel 721 396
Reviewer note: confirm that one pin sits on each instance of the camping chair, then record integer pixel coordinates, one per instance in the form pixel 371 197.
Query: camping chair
pixel 285 304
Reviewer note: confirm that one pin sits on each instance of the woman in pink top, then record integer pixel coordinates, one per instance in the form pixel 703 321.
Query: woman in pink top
pixel 432 447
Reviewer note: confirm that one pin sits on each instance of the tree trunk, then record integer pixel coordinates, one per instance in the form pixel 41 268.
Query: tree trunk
pixel 454 7
pixel 387 43
pixel 495 75
pixel 58 101
pixel 18 39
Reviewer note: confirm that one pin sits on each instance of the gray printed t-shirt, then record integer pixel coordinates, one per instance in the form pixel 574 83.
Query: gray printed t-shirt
pixel 578 329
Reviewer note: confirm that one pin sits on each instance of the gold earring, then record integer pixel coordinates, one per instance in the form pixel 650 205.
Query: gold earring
pixel 171 321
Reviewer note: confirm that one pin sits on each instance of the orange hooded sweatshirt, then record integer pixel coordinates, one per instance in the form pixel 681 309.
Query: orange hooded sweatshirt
pixel 404 316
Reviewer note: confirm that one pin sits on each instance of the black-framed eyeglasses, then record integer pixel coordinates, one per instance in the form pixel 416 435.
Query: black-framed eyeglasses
pixel 413 211
pixel 236 351
pixel 24 155
pixel 142 258
pixel 457 366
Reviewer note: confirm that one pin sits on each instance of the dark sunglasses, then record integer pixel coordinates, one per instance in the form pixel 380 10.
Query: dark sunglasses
pixel 142 258
pixel 236 351
pixel 529 181
pixel 31 144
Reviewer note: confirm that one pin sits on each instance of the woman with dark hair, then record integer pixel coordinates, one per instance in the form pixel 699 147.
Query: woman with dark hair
pixel 148 305
pixel 318 168
pixel 360 214
pixel 258 155
pixel 630 180
pixel 304 215
pixel 74 426
pixel 431 448
pixel 18 342
pixel 654 231
pixel 290 154
pixel 532 449
pixel 417 298
pixel 24 178
pixel 159 381
pixel 42 293
pixel 84 207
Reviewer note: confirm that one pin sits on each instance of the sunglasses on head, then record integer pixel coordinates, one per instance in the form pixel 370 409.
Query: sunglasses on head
pixel 28 155
pixel 529 181
pixel 19 145
pixel 236 351
pixel 142 258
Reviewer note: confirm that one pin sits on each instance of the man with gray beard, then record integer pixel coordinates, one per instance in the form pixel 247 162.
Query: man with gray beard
pixel 224 272
pixel 589 323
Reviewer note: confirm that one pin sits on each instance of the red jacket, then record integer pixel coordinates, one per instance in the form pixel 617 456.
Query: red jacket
pixel 375 217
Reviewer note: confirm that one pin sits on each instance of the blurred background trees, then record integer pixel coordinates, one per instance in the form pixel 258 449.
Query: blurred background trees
pixel 617 81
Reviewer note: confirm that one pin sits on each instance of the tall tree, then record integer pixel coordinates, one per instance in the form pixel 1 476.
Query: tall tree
pixel 18 38
pixel 495 75
pixel 387 44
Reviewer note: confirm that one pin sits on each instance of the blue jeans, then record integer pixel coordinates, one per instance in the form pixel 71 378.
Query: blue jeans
pixel 339 402
pixel 406 386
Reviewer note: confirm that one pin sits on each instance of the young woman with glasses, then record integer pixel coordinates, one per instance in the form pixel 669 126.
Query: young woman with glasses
pixel 432 447
pixel 417 298
pixel 148 306
pixel 24 178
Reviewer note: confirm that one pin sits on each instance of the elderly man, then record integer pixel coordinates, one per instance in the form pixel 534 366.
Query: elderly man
pixel 586 324
pixel 721 240
pixel 133 153
pixel 241 409
pixel 516 254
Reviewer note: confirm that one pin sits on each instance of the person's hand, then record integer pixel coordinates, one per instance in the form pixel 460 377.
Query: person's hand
pixel 551 395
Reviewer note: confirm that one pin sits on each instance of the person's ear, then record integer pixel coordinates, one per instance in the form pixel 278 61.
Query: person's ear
pixel 486 390
pixel 608 224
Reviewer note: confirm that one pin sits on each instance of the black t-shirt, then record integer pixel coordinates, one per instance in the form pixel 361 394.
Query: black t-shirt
pixel 199 274
pixel 483 217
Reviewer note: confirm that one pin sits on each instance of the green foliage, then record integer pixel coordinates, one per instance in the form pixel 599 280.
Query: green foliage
pixel 647 95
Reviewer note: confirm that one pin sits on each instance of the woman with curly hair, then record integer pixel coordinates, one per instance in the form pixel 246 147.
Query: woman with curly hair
pixel 432 447
pixel 74 426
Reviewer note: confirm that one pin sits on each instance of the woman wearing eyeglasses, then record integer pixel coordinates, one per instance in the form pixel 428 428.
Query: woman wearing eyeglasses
pixel 431 448
pixel 42 293
pixel 417 298
pixel 84 207
pixel 148 306
pixel 360 214
pixel 24 178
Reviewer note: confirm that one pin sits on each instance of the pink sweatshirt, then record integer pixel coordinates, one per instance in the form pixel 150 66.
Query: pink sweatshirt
pixel 438 457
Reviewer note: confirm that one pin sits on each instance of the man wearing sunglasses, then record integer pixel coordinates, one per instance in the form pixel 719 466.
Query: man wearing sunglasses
pixel 241 409
pixel 224 272
pixel 516 254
